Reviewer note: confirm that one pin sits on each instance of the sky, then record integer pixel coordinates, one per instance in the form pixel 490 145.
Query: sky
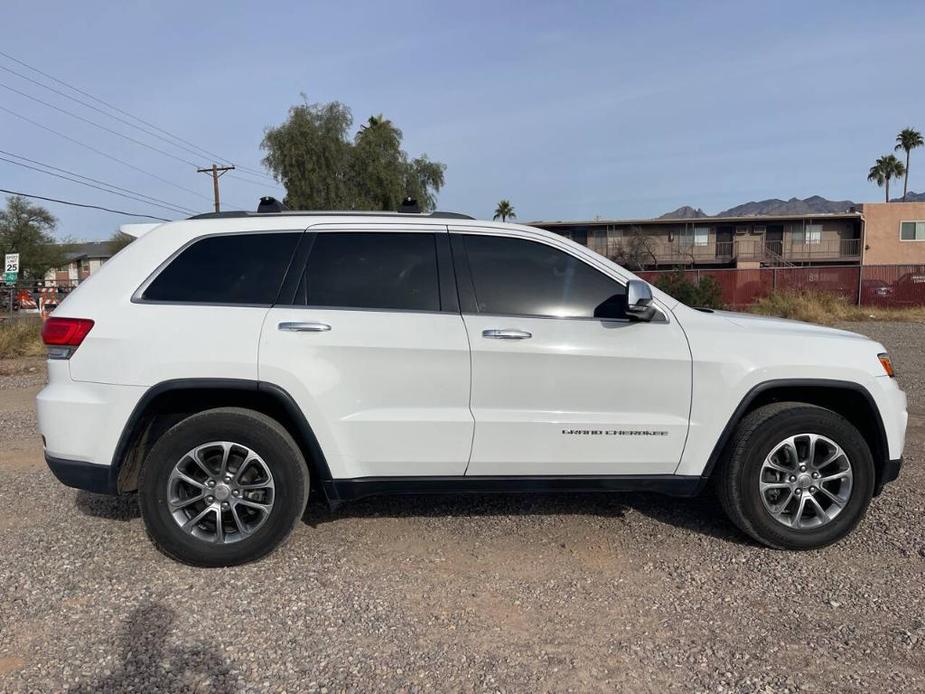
pixel 570 110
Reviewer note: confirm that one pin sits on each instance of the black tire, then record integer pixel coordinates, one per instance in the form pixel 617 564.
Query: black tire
pixel 265 437
pixel 737 479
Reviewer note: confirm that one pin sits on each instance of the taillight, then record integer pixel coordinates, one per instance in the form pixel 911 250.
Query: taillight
pixel 63 336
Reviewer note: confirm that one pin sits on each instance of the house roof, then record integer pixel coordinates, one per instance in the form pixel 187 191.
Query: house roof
pixel 705 221
pixel 91 249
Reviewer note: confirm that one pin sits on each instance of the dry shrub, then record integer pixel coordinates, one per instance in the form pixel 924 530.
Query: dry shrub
pixel 21 337
pixel 826 308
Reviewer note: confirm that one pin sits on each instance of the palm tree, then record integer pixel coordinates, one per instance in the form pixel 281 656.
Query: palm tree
pixel 505 211
pixel 908 139
pixel 884 170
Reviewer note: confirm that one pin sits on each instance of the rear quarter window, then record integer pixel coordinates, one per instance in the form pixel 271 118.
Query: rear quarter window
pixel 229 269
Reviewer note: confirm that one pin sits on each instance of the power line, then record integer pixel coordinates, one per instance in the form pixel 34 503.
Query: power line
pixel 211 155
pixel 256 183
pixel 80 204
pixel 105 103
pixel 97 125
pixel 178 208
pixel 105 154
pixel 105 113
pixel 89 185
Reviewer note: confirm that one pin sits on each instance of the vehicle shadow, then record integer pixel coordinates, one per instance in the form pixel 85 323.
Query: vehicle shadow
pixel 148 663
pixel 701 514
pixel 123 508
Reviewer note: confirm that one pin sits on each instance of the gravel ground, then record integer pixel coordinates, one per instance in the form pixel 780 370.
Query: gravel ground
pixel 513 593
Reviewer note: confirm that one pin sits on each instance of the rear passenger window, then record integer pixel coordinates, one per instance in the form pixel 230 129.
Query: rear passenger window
pixel 232 269
pixel 518 277
pixel 372 271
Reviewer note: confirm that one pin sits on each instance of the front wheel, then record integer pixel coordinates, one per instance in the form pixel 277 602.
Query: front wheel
pixel 796 476
pixel 222 487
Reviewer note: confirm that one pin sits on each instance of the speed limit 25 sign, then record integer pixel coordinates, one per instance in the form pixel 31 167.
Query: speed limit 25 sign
pixel 11 263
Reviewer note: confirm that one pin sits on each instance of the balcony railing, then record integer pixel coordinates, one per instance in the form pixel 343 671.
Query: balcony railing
pixel 757 249
pixel 824 249
pixel 683 252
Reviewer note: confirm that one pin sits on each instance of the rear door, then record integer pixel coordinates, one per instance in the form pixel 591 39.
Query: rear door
pixel 370 343
pixel 562 382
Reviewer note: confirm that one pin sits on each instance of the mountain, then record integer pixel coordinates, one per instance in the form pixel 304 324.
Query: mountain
pixel 812 204
pixel 685 212
pixel 911 197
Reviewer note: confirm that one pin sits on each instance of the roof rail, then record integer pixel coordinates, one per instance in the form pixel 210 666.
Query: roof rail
pixel 237 214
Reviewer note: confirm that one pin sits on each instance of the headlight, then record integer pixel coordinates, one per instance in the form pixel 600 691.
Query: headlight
pixel 887 364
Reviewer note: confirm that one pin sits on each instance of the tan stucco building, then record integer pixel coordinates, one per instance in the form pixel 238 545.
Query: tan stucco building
pixel 894 233
pixel 870 234
pixel 82 261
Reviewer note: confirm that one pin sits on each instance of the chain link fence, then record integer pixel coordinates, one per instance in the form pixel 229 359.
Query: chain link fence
pixel 24 297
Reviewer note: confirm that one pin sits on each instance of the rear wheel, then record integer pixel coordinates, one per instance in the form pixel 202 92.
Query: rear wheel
pixel 223 487
pixel 796 476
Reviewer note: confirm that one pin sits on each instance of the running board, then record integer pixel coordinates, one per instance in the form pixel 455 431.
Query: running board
pixel 339 491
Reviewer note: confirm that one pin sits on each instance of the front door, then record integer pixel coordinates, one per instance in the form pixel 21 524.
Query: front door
pixel 373 349
pixel 562 382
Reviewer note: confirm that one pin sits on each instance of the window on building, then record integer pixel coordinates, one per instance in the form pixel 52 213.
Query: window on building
pixel 809 234
pixel 231 269
pixel 372 271
pixel 912 231
pixel 525 278
pixel 696 236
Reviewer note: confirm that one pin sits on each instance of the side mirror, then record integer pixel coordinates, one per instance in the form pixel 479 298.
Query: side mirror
pixel 639 301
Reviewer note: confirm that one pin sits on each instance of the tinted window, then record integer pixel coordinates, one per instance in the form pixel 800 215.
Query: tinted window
pixel 233 269
pixel 517 277
pixel 375 271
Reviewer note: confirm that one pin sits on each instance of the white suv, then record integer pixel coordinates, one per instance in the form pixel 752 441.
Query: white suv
pixel 223 365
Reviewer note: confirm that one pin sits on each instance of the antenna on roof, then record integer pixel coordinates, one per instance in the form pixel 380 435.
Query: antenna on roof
pixel 270 204
pixel 409 206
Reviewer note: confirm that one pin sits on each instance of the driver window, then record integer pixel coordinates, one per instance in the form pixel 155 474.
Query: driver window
pixel 519 277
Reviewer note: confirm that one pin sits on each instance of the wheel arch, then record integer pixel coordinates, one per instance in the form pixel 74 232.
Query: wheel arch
pixel 851 400
pixel 169 402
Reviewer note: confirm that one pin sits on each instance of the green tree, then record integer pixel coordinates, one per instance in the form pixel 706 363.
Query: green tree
pixel 505 211
pixel 118 241
pixel 28 229
pixel 884 170
pixel 704 293
pixel 312 155
pixel 908 139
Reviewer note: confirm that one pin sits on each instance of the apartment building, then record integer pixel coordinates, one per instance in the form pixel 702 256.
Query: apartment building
pixel 872 233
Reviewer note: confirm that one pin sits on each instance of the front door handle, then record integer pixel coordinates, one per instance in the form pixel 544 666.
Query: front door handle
pixel 507 334
pixel 305 327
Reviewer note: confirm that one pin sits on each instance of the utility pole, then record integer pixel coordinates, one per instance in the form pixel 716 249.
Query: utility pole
pixel 217 172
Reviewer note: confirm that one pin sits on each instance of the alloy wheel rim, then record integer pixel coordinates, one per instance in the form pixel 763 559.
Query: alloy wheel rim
pixel 805 481
pixel 220 492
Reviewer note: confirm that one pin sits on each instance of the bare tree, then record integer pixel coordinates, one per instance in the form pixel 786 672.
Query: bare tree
pixel 636 251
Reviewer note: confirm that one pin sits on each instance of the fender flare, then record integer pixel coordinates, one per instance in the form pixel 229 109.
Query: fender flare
pixel 832 384
pixel 305 435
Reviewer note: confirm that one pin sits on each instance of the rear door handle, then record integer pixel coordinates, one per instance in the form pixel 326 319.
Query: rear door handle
pixel 305 327
pixel 507 334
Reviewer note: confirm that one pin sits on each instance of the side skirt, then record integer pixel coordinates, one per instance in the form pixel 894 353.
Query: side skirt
pixel 342 490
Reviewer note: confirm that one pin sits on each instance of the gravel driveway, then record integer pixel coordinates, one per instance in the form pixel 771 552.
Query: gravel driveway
pixel 511 593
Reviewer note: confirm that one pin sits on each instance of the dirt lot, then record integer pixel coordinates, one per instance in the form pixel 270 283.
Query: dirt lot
pixel 512 593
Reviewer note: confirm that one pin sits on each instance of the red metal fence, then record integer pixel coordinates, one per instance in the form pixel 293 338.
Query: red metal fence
pixel 868 285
